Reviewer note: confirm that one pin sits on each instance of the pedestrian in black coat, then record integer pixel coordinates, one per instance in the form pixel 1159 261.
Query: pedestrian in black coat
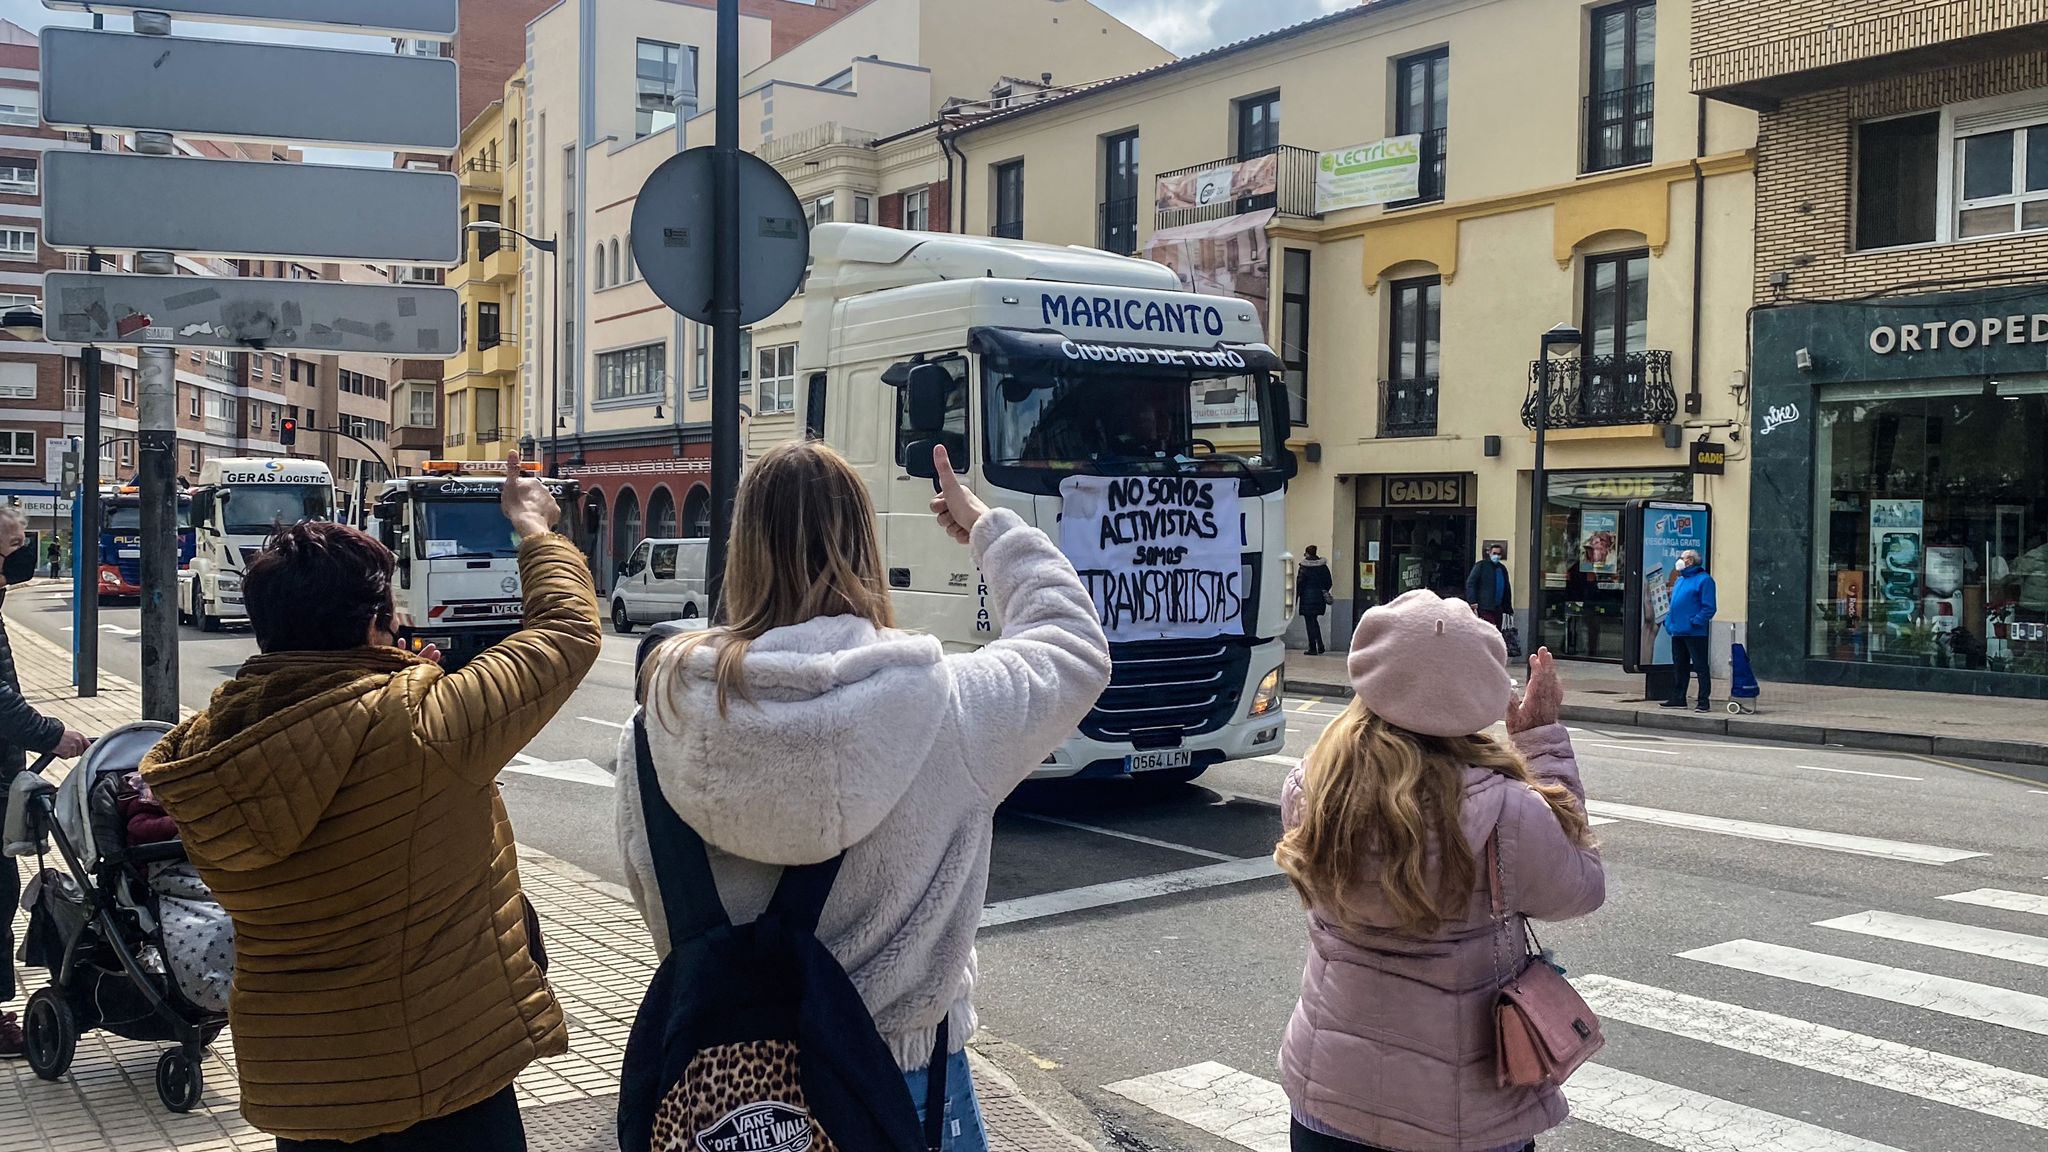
pixel 1312 584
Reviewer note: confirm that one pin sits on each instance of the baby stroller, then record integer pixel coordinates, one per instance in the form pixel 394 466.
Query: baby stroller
pixel 133 940
pixel 1743 688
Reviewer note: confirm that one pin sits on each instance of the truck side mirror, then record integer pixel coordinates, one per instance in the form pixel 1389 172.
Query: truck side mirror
pixel 929 386
pixel 917 458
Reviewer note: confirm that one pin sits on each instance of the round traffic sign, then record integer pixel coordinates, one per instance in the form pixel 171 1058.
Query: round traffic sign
pixel 672 236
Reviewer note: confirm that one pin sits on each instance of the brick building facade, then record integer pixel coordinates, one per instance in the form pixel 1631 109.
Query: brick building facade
pixel 1899 351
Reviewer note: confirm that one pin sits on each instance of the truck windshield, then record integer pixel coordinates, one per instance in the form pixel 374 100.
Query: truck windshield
pixel 1055 419
pixel 254 510
pixel 128 517
pixel 472 528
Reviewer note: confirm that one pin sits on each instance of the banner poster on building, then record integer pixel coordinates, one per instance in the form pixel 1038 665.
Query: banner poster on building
pixel 1897 558
pixel 1660 532
pixel 1381 172
pixel 1227 257
pixel 1162 557
pixel 1180 191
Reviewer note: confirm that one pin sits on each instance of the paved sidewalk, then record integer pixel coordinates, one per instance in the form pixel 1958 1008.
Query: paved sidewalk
pixel 1928 723
pixel 601 961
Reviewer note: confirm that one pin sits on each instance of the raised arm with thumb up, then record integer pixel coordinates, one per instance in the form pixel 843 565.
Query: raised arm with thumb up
pixel 957 508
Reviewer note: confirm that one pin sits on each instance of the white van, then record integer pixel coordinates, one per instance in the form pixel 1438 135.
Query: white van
pixel 662 580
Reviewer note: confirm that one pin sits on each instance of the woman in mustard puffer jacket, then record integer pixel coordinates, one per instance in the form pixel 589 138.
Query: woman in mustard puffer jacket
pixel 338 796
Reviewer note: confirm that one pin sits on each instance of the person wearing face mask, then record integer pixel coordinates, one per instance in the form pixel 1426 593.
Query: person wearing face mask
pixel 1488 589
pixel 1692 612
pixel 338 796
pixel 22 730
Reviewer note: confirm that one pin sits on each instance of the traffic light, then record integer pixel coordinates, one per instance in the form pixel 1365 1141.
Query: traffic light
pixel 288 433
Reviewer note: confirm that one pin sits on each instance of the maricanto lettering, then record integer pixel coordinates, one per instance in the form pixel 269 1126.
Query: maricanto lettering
pixel 1080 310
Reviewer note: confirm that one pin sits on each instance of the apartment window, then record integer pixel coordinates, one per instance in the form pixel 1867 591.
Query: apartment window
pixel 1423 108
pixel 17 447
pixel 192 459
pixel 1897 180
pixel 127 450
pixel 255 418
pixel 666 75
pixel 18 243
pixel 1416 328
pixel 917 210
pixel 277 367
pixel 618 265
pixel 1294 313
pixel 18 175
pixel 863 210
pixel 1258 125
pixel 18 382
pixel 487 429
pixel 700 384
pixel 820 211
pixel 1621 91
pixel 127 388
pixel 775 380
pixel 1009 189
pixel 21 107
pixel 512 150
pixel 1119 227
pixel 198 401
pixel 2002 181
pixel 15 300
pixel 1617 303
pixel 458 417
pixel 273 419
pixel 632 372
pixel 488 334
pixel 419 408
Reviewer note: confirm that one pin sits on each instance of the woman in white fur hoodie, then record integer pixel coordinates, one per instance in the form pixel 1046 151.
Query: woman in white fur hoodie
pixel 808 727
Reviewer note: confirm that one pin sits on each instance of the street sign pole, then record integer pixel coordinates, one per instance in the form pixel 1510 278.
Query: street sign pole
pixel 725 302
pixel 158 420
pixel 86 637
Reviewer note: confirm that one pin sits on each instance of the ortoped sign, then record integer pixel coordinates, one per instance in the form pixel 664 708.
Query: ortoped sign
pixel 1959 332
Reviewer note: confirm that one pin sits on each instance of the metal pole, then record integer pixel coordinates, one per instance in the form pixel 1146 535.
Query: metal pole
pixel 87 594
pixel 554 464
pixel 1539 485
pixel 725 302
pixel 159 440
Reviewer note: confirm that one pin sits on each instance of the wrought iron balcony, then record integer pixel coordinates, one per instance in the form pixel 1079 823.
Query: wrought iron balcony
pixel 1118 230
pixel 1606 391
pixel 1293 190
pixel 1619 127
pixel 1430 184
pixel 1408 407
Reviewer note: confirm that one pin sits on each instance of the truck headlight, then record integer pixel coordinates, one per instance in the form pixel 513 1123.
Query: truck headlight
pixel 1267 698
pixel 227 584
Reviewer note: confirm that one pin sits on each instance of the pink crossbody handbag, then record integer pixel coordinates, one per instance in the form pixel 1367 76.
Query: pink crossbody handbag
pixel 1542 1028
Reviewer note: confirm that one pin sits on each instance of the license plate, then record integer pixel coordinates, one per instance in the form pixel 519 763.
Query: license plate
pixel 1154 761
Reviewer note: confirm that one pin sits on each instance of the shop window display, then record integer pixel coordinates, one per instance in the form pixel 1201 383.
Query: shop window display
pixel 1931 540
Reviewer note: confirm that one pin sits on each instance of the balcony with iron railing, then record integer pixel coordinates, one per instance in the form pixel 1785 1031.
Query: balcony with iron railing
pixel 1117 228
pixel 1293 193
pixel 479 174
pixel 1408 407
pixel 1630 389
pixel 1430 181
pixel 496 434
pixel 1619 127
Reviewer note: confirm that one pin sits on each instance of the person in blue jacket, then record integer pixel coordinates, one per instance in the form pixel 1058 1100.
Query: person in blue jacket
pixel 1692 611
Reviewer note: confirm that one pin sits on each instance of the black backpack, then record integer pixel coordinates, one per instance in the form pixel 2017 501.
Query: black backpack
pixel 751 1037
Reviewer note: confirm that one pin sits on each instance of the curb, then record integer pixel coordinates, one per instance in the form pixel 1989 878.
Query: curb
pixel 1783 731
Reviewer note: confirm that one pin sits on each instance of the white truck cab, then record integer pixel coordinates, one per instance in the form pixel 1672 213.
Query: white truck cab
pixel 1140 426
pixel 458 560
pixel 239 503
pixel 661 580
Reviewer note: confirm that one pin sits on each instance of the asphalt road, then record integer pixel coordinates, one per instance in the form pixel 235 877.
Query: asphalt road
pixel 1803 950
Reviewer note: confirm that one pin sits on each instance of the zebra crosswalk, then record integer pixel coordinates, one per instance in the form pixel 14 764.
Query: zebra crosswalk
pixel 1623 1093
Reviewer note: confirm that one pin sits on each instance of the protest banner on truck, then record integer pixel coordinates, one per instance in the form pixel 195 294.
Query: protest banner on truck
pixel 1161 556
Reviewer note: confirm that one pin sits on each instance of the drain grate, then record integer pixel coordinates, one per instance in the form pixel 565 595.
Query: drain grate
pixel 576 1126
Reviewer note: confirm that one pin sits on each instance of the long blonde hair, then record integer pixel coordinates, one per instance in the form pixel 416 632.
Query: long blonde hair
pixel 803 546
pixel 1379 800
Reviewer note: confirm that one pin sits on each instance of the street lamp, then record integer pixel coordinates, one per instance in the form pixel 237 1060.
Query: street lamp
pixel 23 321
pixel 1562 340
pixel 552 248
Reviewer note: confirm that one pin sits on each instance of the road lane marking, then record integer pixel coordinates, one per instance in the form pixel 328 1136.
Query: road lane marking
pixel 1780 834
pixel 1687 1121
pixel 614 660
pixel 2021 1011
pixel 1133 837
pixel 1967 938
pixel 1254 1113
pixel 1244 1109
pixel 1901 1068
pixel 1630 748
pixel 1126 891
pixel 601 723
pixel 1854 772
pixel 1282 761
pixel 573 771
pixel 1999 898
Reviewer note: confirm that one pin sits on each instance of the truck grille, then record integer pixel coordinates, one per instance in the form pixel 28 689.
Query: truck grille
pixel 131 572
pixel 1163 691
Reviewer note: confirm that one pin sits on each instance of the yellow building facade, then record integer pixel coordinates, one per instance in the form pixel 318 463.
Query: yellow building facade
pixel 481 395
pixel 1568 176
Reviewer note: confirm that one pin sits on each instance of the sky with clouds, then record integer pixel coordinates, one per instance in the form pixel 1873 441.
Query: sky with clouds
pixel 1185 26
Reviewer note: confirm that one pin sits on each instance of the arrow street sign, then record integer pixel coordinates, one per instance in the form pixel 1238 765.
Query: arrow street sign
pixel 122 202
pixel 324 316
pixel 419 19
pixel 237 90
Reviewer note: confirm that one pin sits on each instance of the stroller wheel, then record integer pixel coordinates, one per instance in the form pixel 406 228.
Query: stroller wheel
pixel 50 1034
pixel 1734 709
pixel 179 1080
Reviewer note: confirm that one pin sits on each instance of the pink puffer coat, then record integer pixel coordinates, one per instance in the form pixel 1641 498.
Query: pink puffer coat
pixel 1392 1042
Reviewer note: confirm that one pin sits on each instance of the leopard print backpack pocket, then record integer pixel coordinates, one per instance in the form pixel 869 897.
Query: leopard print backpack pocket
pixel 751 1038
